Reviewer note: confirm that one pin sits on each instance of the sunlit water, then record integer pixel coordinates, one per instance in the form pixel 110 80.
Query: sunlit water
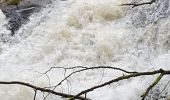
pixel 87 33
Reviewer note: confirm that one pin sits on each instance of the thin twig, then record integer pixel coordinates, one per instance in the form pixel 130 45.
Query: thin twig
pixel 165 87
pixel 35 94
pixel 90 68
pixel 63 68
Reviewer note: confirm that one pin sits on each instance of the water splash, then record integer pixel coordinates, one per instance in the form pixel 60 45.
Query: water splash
pixel 88 33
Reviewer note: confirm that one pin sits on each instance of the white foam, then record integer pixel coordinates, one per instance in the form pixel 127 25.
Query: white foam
pixel 87 33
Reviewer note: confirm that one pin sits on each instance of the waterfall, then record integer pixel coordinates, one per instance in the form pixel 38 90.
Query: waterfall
pixel 86 33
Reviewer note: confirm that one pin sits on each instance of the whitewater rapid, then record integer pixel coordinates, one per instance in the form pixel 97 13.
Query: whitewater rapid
pixel 87 33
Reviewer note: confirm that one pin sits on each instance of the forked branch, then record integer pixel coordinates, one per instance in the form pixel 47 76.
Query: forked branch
pixel 161 71
pixel 152 85
pixel 84 92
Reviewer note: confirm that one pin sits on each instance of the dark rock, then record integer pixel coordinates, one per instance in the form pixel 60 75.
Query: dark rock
pixel 17 17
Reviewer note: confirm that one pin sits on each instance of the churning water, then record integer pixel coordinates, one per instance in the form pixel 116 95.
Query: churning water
pixel 87 33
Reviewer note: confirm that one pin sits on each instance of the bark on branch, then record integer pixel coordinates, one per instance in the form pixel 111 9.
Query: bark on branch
pixel 161 71
pixel 43 89
pixel 84 92
pixel 152 85
pixel 139 4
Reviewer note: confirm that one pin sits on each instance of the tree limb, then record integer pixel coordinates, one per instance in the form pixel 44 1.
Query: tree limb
pixel 78 96
pixel 123 78
pixel 152 85
pixel 139 4
pixel 43 89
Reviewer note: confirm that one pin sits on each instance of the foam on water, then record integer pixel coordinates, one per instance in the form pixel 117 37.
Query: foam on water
pixel 88 33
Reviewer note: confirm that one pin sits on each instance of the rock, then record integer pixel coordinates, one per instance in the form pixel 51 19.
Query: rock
pixel 18 17
pixel 41 3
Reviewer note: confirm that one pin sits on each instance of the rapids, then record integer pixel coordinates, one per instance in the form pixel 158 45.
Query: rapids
pixel 87 33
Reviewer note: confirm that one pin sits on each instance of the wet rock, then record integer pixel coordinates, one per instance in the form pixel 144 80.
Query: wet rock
pixel 17 17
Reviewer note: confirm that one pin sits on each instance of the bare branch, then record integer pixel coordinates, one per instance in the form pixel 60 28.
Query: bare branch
pixel 35 94
pixel 152 85
pixel 88 68
pixel 139 4
pixel 63 68
pixel 123 78
pixel 165 86
pixel 43 89
pixel 78 96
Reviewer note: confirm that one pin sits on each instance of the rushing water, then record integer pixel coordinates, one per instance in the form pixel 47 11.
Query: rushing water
pixel 87 33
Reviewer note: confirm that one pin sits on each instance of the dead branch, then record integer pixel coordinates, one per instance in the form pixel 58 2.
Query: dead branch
pixel 165 86
pixel 44 89
pixel 139 4
pixel 151 86
pixel 90 68
pixel 84 92
pixel 63 68
pixel 35 94
pixel 85 69
pixel 161 71
pixel 132 74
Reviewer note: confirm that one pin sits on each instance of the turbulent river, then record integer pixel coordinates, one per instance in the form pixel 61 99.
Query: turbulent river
pixel 87 33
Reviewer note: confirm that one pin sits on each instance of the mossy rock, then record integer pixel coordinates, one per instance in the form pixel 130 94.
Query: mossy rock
pixel 12 2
